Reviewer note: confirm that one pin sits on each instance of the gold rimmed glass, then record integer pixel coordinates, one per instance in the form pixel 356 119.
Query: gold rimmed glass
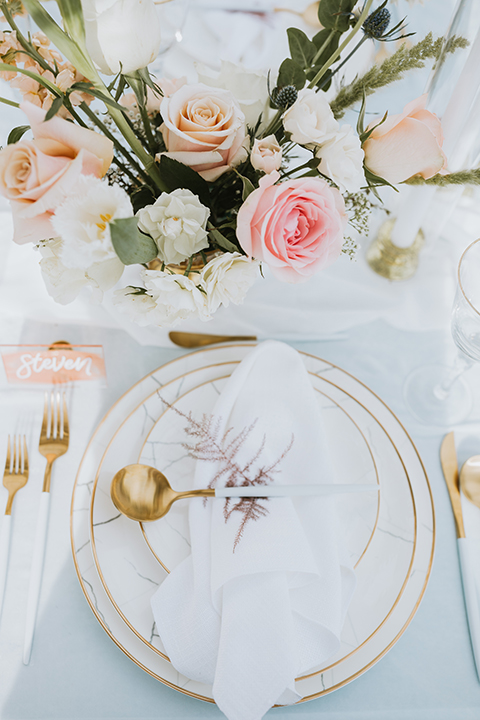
pixel 439 394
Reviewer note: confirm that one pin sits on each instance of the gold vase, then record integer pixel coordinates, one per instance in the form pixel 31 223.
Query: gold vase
pixel 391 261
pixel 180 269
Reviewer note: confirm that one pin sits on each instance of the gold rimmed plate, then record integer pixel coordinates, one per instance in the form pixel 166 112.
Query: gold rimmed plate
pixel 401 454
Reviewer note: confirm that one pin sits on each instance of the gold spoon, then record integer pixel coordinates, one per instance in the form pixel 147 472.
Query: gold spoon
pixel 193 340
pixel 143 493
pixel 470 479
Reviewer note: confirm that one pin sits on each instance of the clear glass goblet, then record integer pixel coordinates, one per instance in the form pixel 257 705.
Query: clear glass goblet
pixel 172 15
pixel 438 394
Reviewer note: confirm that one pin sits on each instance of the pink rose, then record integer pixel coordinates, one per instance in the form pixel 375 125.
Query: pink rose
pixel 296 227
pixel 407 144
pixel 37 175
pixel 204 128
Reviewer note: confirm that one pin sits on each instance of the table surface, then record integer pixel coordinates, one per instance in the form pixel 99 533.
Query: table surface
pixel 76 671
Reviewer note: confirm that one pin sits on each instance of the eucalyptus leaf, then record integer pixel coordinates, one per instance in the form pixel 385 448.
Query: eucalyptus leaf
pixel 326 41
pixel 302 49
pixel 17 133
pixel 130 244
pixel 335 14
pixel 291 73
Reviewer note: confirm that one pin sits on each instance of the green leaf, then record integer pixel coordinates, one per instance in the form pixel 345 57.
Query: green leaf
pixel 17 133
pixel 39 78
pixel 60 39
pixel 326 41
pixel 248 186
pixel 73 22
pixel 222 242
pixel 290 73
pixel 54 108
pixel 130 244
pixel 335 14
pixel 175 175
pixel 9 102
pixel 302 49
pixel 375 180
pixel 88 88
pixel 365 135
pixel 141 198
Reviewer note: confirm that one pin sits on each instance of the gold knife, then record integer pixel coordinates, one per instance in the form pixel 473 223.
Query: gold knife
pixel 193 340
pixel 448 458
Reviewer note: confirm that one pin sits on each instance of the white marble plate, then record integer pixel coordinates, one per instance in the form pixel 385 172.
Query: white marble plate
pixel 401 458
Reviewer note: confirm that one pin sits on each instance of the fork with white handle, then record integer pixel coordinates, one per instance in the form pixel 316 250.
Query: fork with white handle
pixel 53 443
pixel 15 477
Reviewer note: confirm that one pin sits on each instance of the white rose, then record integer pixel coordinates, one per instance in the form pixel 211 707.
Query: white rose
pixel 177 222
pixel 342 160
pixel 176 298
pixel 266 154
pixel 227 278
pixel 82 221
pixel 249 87
pixel 310 120
pixel 121 34
pixel 136 306
pixel 64 283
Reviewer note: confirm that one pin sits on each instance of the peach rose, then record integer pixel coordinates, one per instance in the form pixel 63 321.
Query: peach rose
pixel 295 227
pixel 204 128
pixel 407 144
pixel 266 154
pixel 37 175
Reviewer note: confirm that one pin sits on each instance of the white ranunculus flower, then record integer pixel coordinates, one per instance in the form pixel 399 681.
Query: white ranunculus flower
pixel 176 221
pixel 121 34
pixel 227 279
pixel 342 160
pixel 82 221
pixel 176 298
pixel 249 87
pixel 266 154
pixel 64 283
pixel 137 307
pixel 310 120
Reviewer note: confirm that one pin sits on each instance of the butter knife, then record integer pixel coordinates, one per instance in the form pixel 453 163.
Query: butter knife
pixel 467 550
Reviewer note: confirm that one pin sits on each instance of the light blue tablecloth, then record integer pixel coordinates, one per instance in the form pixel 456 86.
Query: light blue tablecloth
pixel 76 670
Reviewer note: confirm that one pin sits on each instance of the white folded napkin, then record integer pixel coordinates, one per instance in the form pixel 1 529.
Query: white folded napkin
pixel 263 596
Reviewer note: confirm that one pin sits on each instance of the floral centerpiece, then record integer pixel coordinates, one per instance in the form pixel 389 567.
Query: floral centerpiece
pixel 199 185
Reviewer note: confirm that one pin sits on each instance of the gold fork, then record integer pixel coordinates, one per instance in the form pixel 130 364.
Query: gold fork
pixel 15 477
pixel 54 437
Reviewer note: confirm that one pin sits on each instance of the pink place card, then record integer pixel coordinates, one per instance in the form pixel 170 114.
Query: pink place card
pixel 54 364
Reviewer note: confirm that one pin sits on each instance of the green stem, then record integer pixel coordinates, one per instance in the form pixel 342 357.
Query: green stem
pixel 357 46
pixel 147 128
pixel 9 102
pixel 121 149
pixel 145 158
pixel 23 40
pixel 275 123
pixel 318 54
pixel 341 48
pixel 297 169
